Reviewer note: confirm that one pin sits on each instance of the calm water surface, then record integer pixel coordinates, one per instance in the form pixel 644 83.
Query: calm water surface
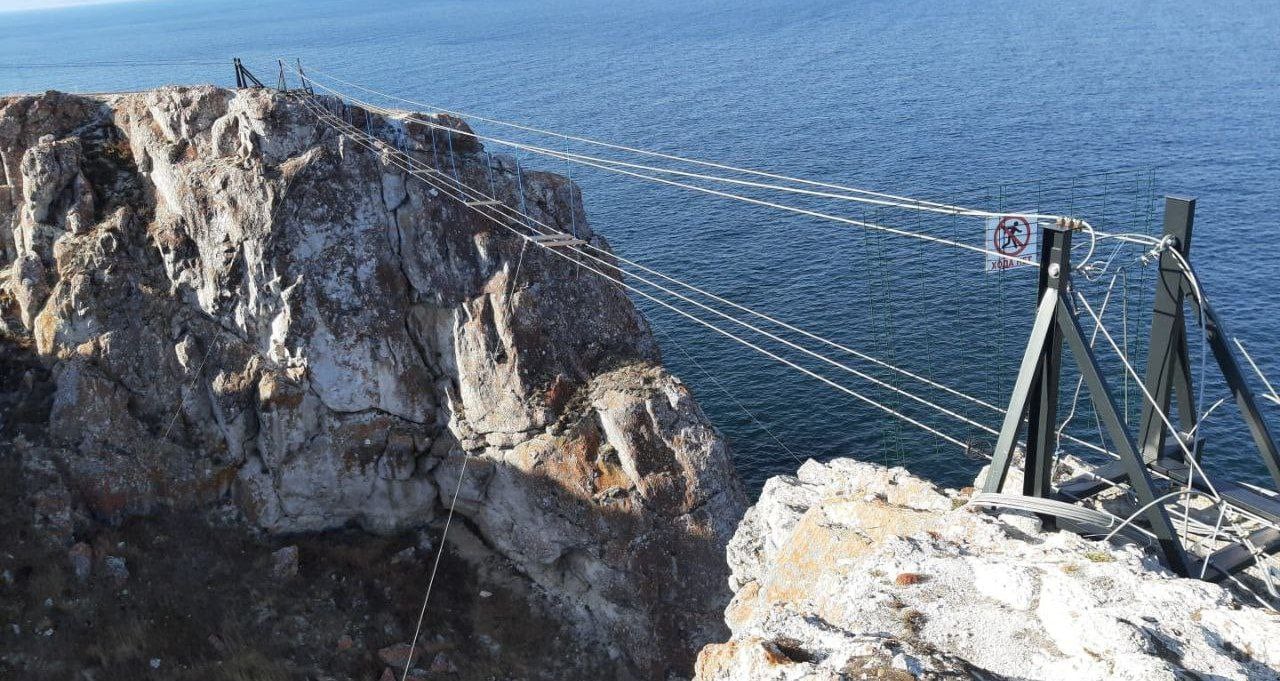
pixel 914 97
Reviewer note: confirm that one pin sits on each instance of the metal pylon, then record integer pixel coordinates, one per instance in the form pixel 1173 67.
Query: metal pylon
pixel 1035 397
pixel 1168 375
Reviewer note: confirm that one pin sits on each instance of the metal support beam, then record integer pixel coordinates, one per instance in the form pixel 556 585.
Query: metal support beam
pixel 1135 469
pixel 1035 397
pixel 1168 368
pixel 243 77
pixel 302 76
pixel 1241 391
pixel 1182 381
pixel 1042 410
pixel 1002 455
pixel 1035 392
pixel 1168 363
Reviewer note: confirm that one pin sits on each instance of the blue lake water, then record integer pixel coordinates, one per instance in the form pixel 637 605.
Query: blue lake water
pixel 955 101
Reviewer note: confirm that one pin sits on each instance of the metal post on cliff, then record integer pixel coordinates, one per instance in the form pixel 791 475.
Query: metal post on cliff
pixel 244 78
pixel 1035 396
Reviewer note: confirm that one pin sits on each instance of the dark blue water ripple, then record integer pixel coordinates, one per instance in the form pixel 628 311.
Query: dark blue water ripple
pixel 942 100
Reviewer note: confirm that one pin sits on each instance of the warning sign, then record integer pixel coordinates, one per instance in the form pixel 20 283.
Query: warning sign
pixel 1009 239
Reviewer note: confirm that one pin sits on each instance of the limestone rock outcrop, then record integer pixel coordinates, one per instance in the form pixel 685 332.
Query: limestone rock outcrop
pixel 232 299
pixel 852 571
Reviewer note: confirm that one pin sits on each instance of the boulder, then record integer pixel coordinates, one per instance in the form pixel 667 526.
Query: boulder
pixel 850 570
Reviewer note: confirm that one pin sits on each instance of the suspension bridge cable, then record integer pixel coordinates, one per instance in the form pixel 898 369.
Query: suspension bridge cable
pixel 864 195
pixel 616 166
pixel 610 166
pixel 867 377
pixel 773 320
pixel 1160 499
pixel 500 221
pixel 905 201
pixel 948 389
pixel 790 327
pixel 1099 517
pixel 501 218
pixel 574 156
pixel 1205 416
pixel 208 351
pixel 516 214
pixel 462 198
pixel 1273 396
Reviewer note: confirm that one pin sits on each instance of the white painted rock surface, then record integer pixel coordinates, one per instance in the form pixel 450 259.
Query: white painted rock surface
pixel 850 570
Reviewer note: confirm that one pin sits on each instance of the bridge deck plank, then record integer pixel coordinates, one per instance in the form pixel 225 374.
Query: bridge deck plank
pixel 1234 557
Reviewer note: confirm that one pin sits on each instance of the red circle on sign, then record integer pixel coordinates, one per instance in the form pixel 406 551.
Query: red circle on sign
pixel 1008 228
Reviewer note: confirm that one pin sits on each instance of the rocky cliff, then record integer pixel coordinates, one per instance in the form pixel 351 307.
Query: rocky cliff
pixel 220 298
pixel 852 571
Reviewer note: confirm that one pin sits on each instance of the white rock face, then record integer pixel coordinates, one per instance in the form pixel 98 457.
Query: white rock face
pixel 850 570
pixel 234 300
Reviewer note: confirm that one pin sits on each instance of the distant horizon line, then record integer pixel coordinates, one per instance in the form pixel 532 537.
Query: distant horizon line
pixel 7 6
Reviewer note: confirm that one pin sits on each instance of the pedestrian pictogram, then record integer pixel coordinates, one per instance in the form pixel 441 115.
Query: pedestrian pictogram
pixel 1009 242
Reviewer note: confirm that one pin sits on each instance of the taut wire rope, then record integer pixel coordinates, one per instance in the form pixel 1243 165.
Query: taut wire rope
pixel 616 166
pixel 617 281
pixel 462 196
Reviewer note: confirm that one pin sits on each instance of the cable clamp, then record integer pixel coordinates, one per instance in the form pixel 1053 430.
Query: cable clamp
pixel 1169 241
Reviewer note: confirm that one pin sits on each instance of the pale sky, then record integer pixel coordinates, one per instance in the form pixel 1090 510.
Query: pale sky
pixel 21 5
